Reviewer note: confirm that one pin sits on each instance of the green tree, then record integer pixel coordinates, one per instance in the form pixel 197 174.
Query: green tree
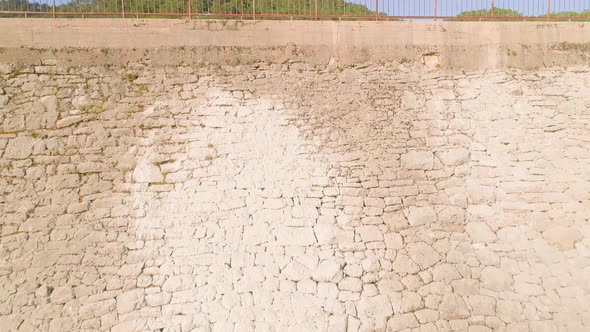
pixel 22 5
pixel 210 8
pixel 509 14
pixel 223 7
pixel 474 15
pixel 284 7
pixel 581 16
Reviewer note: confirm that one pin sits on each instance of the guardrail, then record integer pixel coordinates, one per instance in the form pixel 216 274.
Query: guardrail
pixel 448 10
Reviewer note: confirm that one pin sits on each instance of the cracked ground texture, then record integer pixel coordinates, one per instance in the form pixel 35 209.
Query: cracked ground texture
pixel 286 198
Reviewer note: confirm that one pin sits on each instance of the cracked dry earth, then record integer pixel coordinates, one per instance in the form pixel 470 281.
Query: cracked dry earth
pixel 281 198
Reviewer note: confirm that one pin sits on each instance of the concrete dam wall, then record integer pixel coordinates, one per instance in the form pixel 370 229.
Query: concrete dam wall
pixel 292 180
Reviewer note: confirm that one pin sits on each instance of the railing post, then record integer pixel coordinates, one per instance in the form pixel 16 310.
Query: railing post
pixel 376 10
pixel 123 8
pixel 190 9
pixel 254 10
pixel 316 10
pixel 493 7
pixel 434 10
pixel 548 10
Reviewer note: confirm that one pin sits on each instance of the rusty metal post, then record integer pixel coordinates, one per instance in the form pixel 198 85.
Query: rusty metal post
pixel 493 7
pixel 316 10
pixel 190 9
pixel 434 10
pixel 376 10
pixel 123 8
pixel 254 9
pixel 548 10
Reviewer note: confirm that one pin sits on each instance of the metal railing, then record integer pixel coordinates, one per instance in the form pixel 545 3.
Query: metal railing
pixel 448 10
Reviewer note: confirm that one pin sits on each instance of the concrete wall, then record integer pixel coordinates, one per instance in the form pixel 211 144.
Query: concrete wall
pixel 292 196
pixel 465 45
pixel 280 198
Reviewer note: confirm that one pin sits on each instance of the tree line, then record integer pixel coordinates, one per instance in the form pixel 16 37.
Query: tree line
pixel 205 7
pixel 509 14
pixel 237 7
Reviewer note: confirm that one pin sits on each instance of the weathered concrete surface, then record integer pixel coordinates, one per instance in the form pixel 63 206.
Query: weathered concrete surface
pixel 469 45
pixel 289 191
pixel 283 198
